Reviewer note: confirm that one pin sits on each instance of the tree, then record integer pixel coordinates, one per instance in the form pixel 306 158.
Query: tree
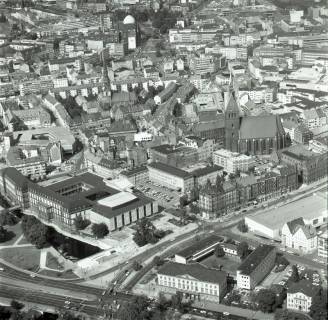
pixel 145 233
pixel 4 234
pixel 158 261
pixel 242 249
pixel 318 309
pixel 99 230
pixel 136 309
pixel 81 223
pixel 219 252
pixel 183 201
pixel 16 305
pixel 242 226
pixel 136 265
pixel 3 18
pixel 34 231
pixel 266 300
pixel 295 277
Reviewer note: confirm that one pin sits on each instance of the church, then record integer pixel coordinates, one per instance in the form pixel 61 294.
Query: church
pixel 255 135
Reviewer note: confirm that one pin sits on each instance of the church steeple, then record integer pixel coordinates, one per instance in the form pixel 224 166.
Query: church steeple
pixel 232 122
pixel 105 78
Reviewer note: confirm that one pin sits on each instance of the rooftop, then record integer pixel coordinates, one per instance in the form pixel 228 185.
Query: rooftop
pixel 199 246
pixel 194 270
pixel 309 208
pixel 255 258
pixel 169 169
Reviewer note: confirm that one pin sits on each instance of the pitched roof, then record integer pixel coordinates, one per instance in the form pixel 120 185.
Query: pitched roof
pixel 14 175
pixel 255 258
pixel 266 126
pixel 232 105
pixel 194 270
pixel 304 286
pixel 293 224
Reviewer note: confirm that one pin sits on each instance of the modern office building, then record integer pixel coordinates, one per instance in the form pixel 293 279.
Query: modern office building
pixel 256 266
pixel 87 195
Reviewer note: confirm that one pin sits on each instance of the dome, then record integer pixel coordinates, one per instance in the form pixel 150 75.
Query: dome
pixel 129 20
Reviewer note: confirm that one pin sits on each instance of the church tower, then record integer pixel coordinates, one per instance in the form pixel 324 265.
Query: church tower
pixel 232 123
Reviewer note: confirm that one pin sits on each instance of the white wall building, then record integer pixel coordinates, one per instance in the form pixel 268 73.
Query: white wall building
pixel 295 234
pixel 232 161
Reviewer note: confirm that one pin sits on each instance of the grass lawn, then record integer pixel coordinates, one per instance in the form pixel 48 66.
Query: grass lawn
pixel 15 232
pixel 52 262
pixel 57 274
pixel 26 257
pixel 228 264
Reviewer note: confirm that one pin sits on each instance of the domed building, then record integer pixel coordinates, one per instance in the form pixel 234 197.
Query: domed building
pixel 129 33
pixel 129 20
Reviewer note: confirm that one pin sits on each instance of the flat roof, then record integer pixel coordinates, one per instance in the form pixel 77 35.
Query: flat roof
pixel 174 171
pixel 117 199
pixel 254 259
pixel 307 208
pixel 199 246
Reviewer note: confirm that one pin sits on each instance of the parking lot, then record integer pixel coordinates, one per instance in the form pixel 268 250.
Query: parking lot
pixel 166 197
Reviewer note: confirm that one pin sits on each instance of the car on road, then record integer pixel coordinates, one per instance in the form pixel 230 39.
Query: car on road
pixel 2 269
pixel 32 275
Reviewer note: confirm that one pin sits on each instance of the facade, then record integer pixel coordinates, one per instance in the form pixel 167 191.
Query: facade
pixel 311 166
pixel 323 244
pixel 256 267
pixel 87 195
pixel 295 234
pixel 252 134
pixel 300 295
pixel 193 280
pixel 27 161
pixel 174 156
pixel 137 176
pixel 233 162
pixel 170 177
pixel 217 199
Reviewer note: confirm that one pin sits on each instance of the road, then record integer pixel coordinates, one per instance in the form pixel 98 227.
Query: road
pixel 168 248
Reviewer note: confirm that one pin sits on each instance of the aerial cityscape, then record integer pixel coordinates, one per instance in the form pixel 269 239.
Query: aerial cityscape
pixel 163 159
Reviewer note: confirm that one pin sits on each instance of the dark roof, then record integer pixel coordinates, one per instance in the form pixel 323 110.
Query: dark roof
pixel 15 176
pixel 292 225
pixel 131 172
pixel 194 270
pixel 204 171
pixel 255 258
pixel 304 286
pixel 199 246
pixel 169 169
pixel 267 126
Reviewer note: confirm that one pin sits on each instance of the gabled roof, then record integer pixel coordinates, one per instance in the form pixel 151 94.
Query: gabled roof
pixel 292 225
pixel 194 270
pixel 266 126
pixel 232 105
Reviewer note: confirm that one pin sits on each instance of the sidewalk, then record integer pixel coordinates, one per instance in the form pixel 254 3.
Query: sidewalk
pixel 212 306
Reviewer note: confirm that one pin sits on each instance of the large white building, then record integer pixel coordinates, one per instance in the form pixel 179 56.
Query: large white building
pixel 170 177
pixel 194 280
pixel 270 223
pixel 300 295
pixel 295 234
pixel 232 161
